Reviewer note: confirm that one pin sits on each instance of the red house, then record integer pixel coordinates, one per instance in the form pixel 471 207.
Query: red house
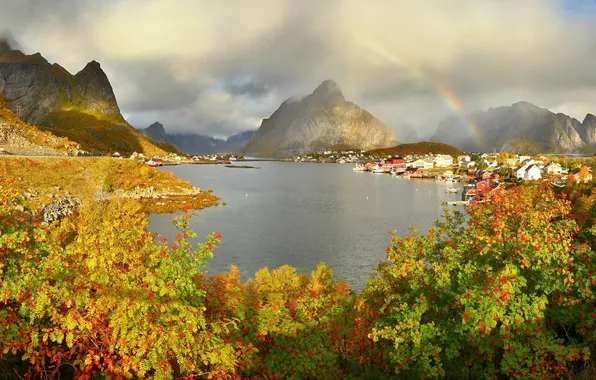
pixel 395 161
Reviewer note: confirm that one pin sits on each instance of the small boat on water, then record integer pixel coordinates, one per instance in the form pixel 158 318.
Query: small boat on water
pixel 451 190
pixel 359 168
pixel 378 170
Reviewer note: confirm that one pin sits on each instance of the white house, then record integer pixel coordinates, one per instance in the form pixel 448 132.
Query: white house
pixel 512 162
pixel 464 158
pixel 528 172
pixel 520 173
pixel 491 162
pixel 422 164
pixel 553 168
pixel 443 160
pixel 533 173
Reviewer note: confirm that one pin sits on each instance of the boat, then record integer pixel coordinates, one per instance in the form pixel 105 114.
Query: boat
pixel 378 170
pixel 451 190
pixel 359 168
pixel 152 163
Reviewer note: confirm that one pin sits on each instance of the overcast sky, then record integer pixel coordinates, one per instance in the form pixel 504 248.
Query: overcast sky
pixel 220 66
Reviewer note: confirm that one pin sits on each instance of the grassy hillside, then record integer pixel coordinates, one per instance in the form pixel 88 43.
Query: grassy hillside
pixel 420 148
pixel 101 134
pixel 85 178
pixel 18 137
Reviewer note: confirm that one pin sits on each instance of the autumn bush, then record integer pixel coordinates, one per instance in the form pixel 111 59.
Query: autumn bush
pixel 505 290
pixel 507 293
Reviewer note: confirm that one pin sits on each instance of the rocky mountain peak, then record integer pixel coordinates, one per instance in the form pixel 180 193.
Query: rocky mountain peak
pixel 589 119
pixel 329 90
pixel 157 124
pixel 322 120
pixel 7 42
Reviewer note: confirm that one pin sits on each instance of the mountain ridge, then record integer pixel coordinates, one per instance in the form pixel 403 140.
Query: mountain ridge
pixel 194 143
pixel 80 107
pixel 521 127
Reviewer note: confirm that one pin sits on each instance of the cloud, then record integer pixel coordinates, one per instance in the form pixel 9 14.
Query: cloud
pixel 221 66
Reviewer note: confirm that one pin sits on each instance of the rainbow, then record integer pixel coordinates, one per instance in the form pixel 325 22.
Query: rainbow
pixel 450 99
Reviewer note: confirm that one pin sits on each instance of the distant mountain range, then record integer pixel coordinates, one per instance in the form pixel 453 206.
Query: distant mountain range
pixel 80 107
pixel 322 120
pixel 193 143
pixel 519 128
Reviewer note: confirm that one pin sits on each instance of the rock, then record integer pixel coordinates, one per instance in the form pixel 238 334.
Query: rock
pixel 59 209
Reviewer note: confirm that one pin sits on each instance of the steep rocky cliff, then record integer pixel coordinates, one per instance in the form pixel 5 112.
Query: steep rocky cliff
pixel 319 121
pixel 519 128
pixel 81 107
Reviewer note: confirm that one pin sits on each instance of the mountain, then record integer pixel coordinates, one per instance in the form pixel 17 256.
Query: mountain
pixel 406 133
pixel 319 121
pixel 157 133
pixel 193 143
pixel 81 107
pixel 519 128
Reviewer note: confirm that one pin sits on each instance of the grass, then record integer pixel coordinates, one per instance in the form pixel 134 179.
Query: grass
pixel 86 177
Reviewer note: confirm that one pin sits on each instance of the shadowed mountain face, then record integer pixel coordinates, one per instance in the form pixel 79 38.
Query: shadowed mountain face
pixel 319 121
pixel 519 128
pixel 157 133
pixel 193 143
pixel 81 107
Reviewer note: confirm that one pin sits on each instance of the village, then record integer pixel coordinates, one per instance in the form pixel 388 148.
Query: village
pixel 480 173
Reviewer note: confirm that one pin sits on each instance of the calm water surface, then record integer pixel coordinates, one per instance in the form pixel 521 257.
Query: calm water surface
pixel 303 213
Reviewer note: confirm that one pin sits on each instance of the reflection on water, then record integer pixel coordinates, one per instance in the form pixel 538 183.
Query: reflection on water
pixel 302 214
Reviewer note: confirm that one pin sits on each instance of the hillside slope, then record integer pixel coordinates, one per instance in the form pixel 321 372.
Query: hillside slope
pixel 420 148
pixel 19 138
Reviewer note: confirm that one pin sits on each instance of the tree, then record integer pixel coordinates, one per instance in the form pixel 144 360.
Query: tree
pixel 506 293
pixel 96 294
pixel 583 174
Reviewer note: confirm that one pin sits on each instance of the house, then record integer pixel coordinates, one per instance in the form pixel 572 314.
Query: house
pixel 533 173
pixel 443 160
pixel 464 158
pixel 523 158
pixel 512 162
pixel 422 164
pixel 491 162
pixel 470 165
pixel 520 173
pixel 528 172
pixel 553 168
pixel 396 161
pixel 410 171
pixel 576 172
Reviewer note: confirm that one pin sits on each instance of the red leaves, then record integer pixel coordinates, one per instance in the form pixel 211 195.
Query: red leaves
pixel 465 316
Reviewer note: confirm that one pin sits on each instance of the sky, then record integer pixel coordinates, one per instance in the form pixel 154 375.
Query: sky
pixel 220 67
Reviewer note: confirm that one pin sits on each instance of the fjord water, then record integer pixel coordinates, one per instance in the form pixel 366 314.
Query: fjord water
pixel 305 213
